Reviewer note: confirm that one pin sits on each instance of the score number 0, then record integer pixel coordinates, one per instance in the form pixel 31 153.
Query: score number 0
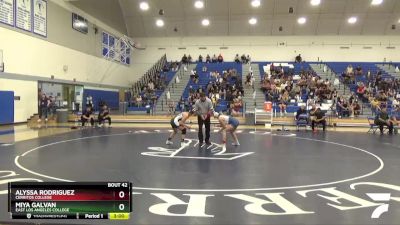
pixel 121 195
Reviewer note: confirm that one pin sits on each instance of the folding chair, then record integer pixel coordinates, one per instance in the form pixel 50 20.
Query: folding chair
pixel 372 126
pixel 302 121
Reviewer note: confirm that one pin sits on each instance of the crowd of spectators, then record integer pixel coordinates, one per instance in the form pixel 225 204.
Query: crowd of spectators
pixel 153 82
pixel 225 86
pixel 283 88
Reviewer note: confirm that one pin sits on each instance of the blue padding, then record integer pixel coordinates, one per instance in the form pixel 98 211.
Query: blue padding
pixel 110 97
pixel 7 107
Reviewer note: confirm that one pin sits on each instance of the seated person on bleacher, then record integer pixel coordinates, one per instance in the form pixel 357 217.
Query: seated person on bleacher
pixel 318 118
pixel 342 107
pixel 87 115
pixel 382 119
pixel 104 115
pixel 236 107
pixel 355 109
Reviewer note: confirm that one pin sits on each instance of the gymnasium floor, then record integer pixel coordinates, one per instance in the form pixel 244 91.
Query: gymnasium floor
pixel 272 178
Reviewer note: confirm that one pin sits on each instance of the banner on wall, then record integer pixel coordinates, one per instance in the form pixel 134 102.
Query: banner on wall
pixel 7 12
pixel 24 14
pixel 40 17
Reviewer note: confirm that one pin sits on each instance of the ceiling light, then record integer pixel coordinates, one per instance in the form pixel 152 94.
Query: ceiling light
pixel 253 21
pixel 302 20
pixel 199 4
pixel 315 2
pixel 352 20
pixel 160 23
pixel 255 3
pixel 205 22
pixel 376 2
pixel 398 21
pixel 144 6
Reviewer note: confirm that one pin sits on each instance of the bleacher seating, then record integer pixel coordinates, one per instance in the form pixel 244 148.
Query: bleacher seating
pixel 298 67
pixel 205 78
pixel 168 78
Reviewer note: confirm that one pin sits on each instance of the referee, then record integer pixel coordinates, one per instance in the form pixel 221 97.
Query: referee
pixel 204 109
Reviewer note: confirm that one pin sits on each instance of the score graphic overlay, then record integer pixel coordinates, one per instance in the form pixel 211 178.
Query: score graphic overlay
pixel 81 200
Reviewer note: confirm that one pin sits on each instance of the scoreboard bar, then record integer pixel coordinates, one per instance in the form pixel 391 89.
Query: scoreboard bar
pixel 80 200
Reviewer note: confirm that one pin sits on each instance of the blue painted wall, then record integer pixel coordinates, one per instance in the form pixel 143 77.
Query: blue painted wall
pixel 110 97
pixel 6 107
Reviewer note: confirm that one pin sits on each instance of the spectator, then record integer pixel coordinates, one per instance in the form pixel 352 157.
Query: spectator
pixel 208 59
pixel 355 109
pixel 200 59
pixel 243 58
pixel 220 58
pixel 319 118
pixel 359 70
pixel 184 59
pixel 189 59
pixel 236 107
pixel 214 59
pixel 382 119
pixel 248 59
pixel 397 70
pixel 87 115
pixel 237 60
pixel 298 59
pixel 284 100
pixel 43 108
pixel 104 115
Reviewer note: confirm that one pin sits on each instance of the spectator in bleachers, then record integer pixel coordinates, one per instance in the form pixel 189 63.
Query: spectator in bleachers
pixel 189 59
pixel 395 102
pixel 361 92
pixel 237 60
pixel 298 59
pixel 204 69
pixel 243 58
pixel 283 102
pixel 248 59
pixel 382 119
pixel 397 70
pixel 171 108
pixel 236 106
pixel 208 59
pixel 200 59
pixel 319 118
pixel 214 59
pixel 355 109
pixel 342 107
pixel 184 59
pixel 359 71
pixel 220 58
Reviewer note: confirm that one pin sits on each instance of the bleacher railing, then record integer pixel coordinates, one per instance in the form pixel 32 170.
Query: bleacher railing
pixel 149 75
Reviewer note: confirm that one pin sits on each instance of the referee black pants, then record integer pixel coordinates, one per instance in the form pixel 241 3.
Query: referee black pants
pixel 207 125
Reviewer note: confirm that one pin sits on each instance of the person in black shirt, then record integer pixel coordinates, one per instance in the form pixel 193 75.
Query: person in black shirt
pixel 319 118
pixel 43 107
pixel 87 115
pixel 382 119
pixel 104 115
